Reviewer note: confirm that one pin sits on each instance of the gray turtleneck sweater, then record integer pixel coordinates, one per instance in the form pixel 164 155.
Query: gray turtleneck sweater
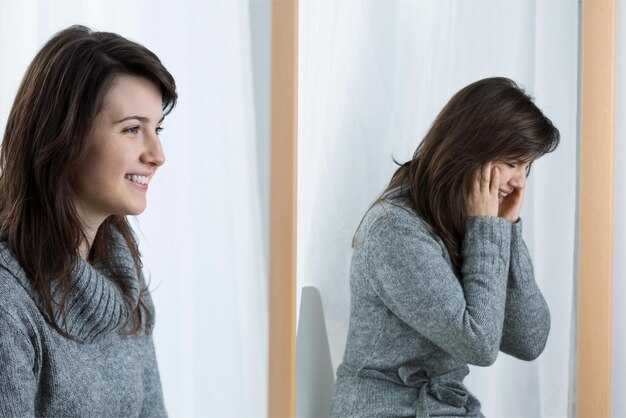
pixel 100 373
pixel 415 323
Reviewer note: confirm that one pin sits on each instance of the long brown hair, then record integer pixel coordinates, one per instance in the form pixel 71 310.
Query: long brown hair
pixel 489 120
pixel 45 141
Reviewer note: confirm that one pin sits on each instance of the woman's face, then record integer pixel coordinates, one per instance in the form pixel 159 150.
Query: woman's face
pixel 512 176
pixel 124 151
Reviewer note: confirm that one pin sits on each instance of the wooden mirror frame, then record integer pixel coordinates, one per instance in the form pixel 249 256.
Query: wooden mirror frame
pixel 596 104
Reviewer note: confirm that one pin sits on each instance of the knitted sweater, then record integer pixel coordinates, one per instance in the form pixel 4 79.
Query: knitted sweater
pixel 100 373
pixel 415 323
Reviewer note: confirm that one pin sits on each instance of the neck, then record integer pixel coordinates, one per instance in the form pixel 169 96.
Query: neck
pixel 85 246
pixel 91 224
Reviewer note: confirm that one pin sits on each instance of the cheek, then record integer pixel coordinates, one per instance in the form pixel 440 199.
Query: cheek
pixel 93 182
pixel 505 176
pixel 102 168
pixel 112 157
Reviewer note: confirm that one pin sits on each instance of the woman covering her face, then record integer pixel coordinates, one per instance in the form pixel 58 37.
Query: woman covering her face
pixel 80 148
pixel 441 277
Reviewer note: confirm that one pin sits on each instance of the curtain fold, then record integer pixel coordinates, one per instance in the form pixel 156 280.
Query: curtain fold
pixel 201 235
pixel 373 76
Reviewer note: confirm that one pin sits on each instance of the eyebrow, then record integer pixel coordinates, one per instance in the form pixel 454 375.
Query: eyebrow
pixel 139 118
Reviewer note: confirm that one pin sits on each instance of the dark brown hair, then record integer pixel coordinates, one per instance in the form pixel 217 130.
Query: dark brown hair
pixel 489 120
pixel 45 142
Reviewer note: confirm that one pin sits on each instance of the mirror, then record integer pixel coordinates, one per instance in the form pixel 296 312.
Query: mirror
pixel 372 78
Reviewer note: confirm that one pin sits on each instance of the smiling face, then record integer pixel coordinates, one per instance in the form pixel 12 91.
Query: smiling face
pixel 512 177
pixel 124 152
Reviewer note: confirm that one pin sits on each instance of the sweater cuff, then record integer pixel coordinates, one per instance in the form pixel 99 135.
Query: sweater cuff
pixel 521 263
pixel 516 233
pixel 487 242
pixel 487 229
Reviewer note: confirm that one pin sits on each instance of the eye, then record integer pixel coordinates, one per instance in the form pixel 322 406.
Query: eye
pixel 131 130
pixel 512 165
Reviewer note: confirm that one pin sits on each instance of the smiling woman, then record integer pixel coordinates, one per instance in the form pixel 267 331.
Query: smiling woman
pixel 80 147
pixel 123 155
pixel 440 275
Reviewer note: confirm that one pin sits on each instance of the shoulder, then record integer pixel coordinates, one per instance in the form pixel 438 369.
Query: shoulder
pixel 12 289
pixel 17 306
pixel 18 311
pixel 20 332
pixel 390 231
pixel 391 218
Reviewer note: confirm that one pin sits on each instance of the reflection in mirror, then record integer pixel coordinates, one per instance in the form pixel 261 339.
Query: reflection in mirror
pixel 373 77
pixel 313 365
pixel 202 234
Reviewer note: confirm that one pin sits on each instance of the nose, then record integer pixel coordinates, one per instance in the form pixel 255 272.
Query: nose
pixel 153 153
pixel 519 179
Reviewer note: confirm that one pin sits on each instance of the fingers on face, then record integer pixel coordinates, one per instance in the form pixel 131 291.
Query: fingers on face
pixel 485 176
pixel 495 181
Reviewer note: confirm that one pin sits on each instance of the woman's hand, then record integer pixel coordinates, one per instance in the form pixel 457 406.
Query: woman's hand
pixel 484 196
pixel 511 205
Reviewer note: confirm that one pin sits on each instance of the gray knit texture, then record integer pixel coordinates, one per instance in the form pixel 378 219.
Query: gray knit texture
pixel 100 373
pixel 415 324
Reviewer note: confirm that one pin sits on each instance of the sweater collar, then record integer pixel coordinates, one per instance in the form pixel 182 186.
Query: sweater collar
pixel 95 305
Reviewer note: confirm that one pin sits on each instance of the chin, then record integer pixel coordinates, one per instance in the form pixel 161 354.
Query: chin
pixel 135 210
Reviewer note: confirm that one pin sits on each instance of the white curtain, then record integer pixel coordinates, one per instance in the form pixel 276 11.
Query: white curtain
pixel 373 76
pixel 618 386
pixel 201 235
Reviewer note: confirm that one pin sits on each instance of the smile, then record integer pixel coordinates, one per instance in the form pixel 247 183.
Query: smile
pixel 137 179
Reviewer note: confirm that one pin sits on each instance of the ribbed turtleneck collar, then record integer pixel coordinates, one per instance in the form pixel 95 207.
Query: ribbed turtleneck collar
pixel 95 305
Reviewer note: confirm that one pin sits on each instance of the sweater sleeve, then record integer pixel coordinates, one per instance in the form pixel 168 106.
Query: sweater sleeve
pixel 153 395
pixel 153 405
pixel 18 384
pixel 413 279
pixel 527 317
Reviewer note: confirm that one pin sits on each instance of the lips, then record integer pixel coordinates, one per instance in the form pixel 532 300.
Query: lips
pixel 138 178
pixel 503 193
